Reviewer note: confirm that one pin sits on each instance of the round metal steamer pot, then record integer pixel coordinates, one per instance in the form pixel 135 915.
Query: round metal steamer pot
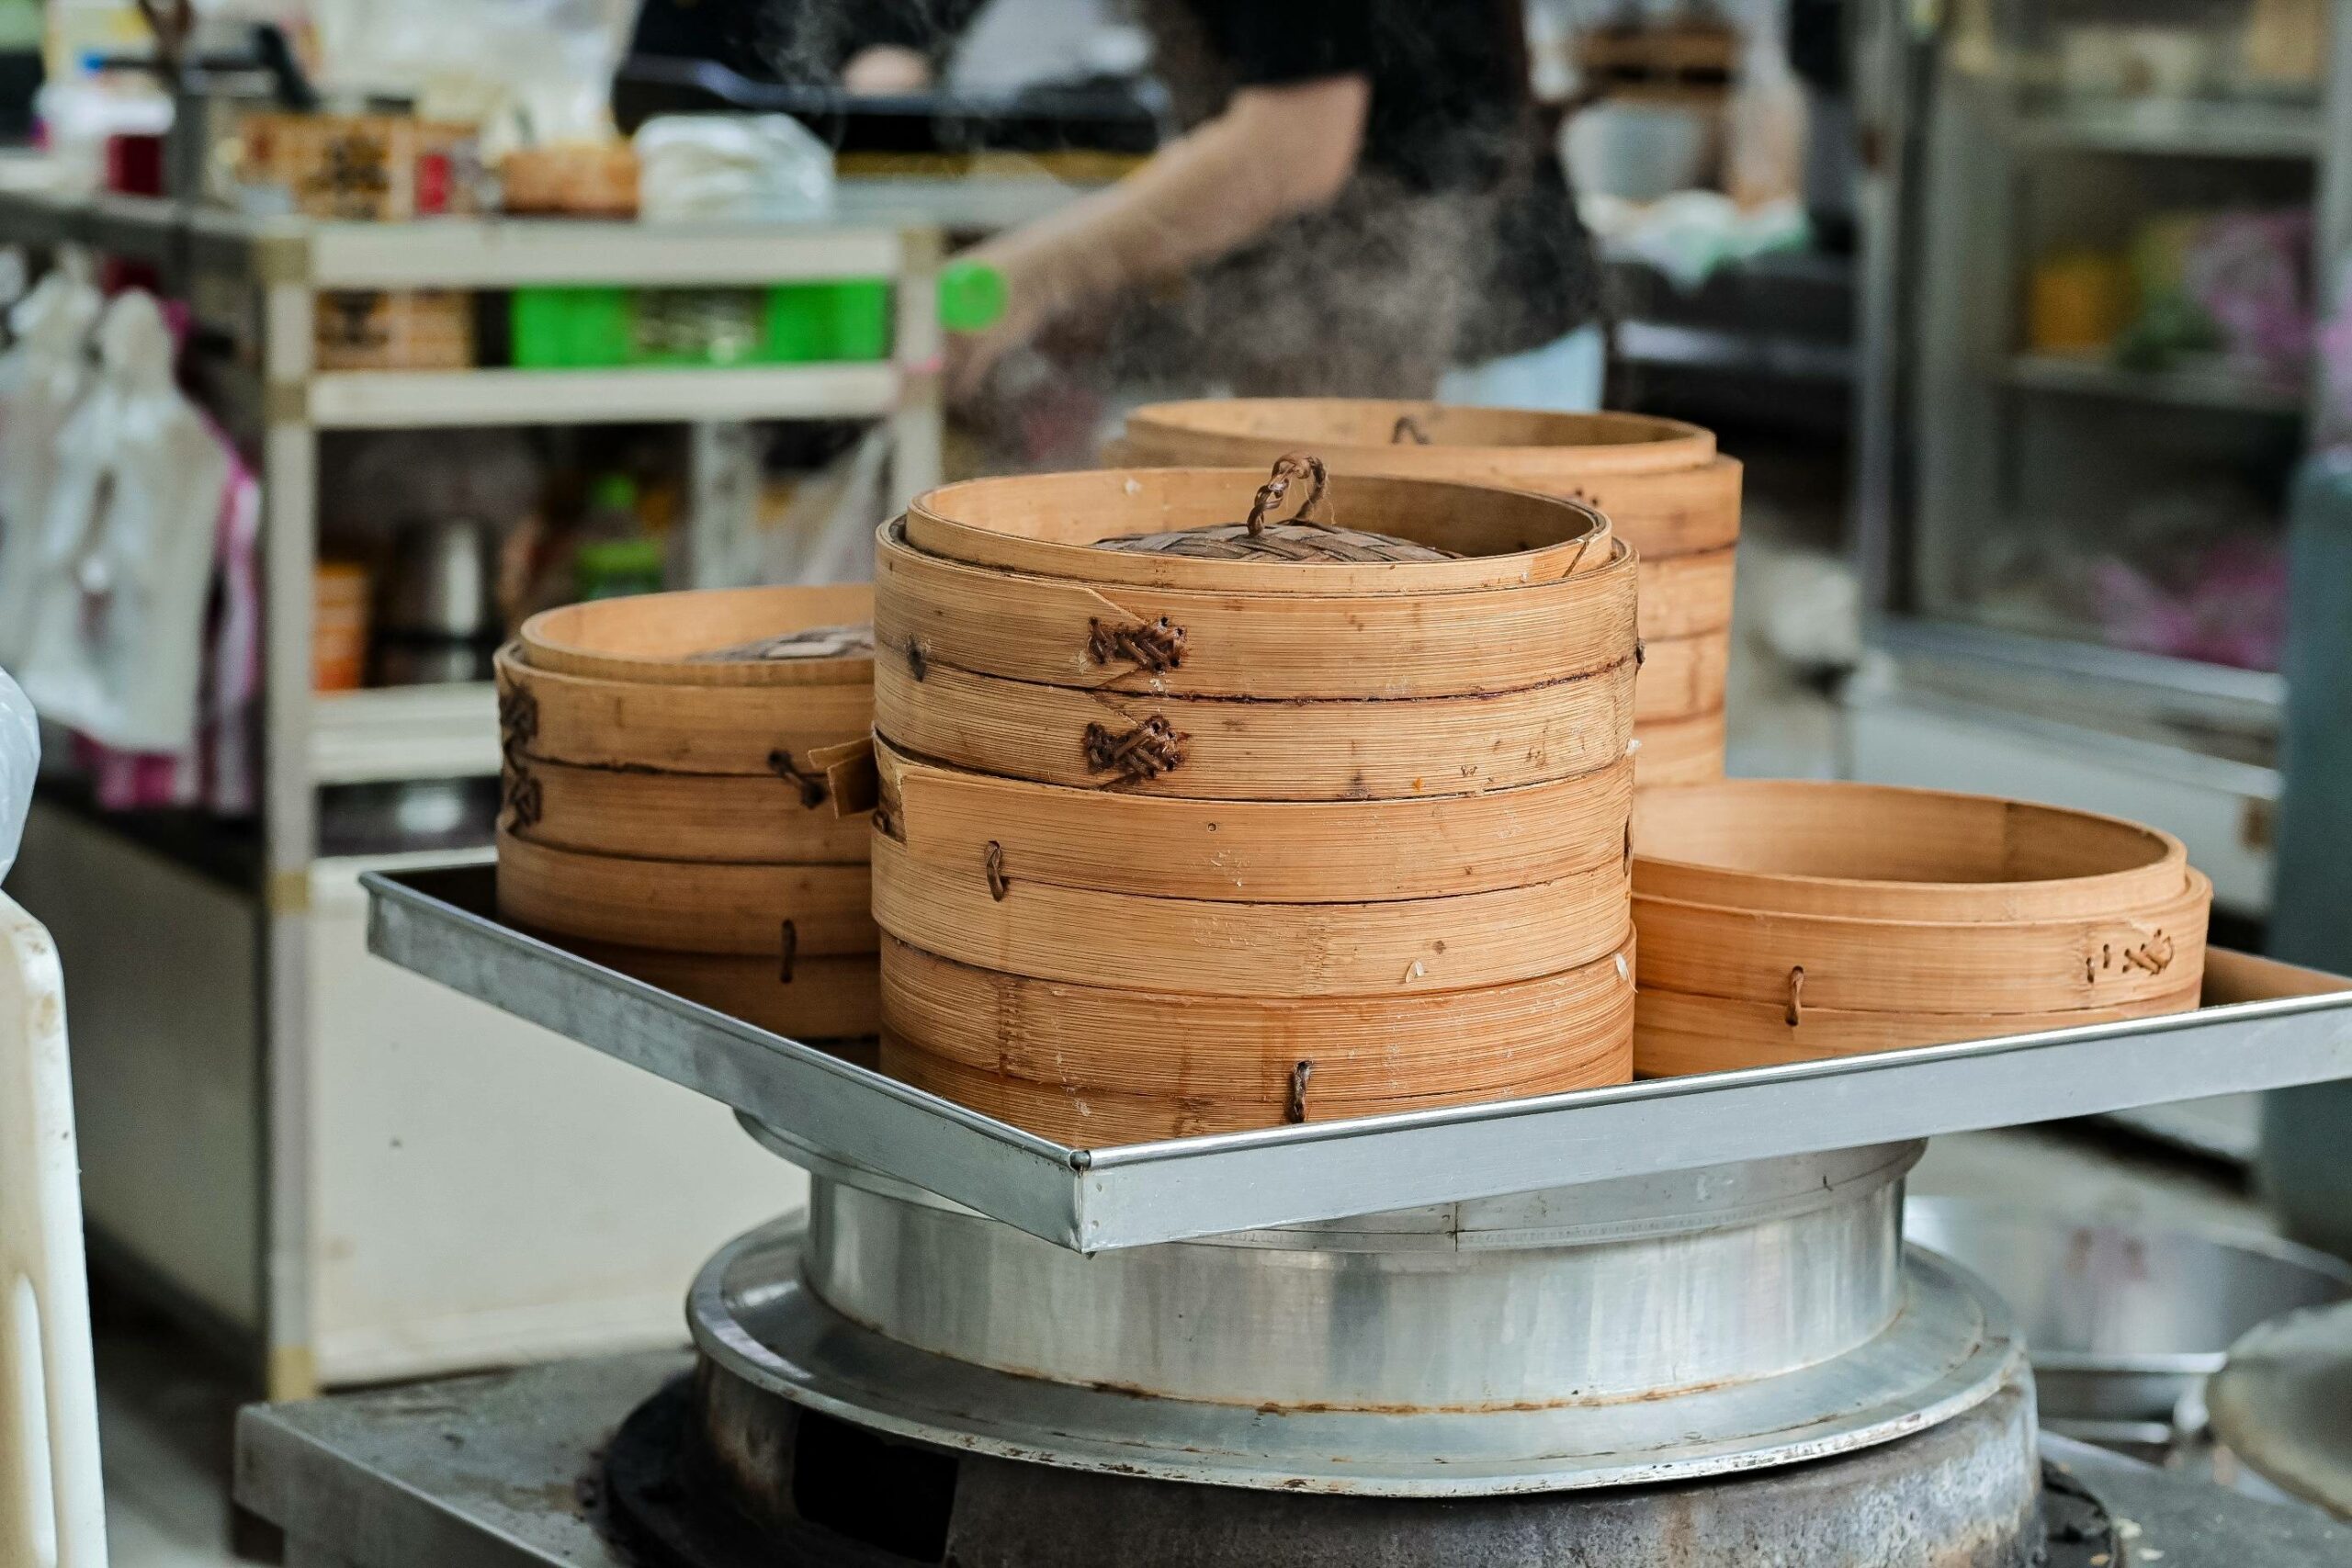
pixel 1619 1332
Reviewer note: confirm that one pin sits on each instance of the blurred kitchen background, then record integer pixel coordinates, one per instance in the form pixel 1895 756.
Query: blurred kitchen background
pixel 2024 315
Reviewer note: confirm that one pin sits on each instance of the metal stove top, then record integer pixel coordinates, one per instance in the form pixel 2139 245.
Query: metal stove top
pixel 506 1472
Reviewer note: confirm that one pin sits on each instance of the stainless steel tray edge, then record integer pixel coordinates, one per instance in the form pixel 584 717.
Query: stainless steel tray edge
pixel 438 923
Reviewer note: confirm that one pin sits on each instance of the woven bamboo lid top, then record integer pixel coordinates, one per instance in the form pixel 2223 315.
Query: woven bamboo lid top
pixel 1178 528
pixel 1873 850
pixel 723 637
pixel 1359 434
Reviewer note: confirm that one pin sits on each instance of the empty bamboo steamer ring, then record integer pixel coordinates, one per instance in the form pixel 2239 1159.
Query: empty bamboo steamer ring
pixel 1220 750
pixel 686 906
pixel 1881 851
pixel 834 996
pixel 1660 482
pixel 1286 643
pixel 1674 752
pixel 1676 1033
pixel 667 639
pixel 1221 948
pixel 1051 525
pixel 1062 1060
pixel 776 817
pixel 1793 920
pixel 593 722
pixel 1682 677
pixel 1271 852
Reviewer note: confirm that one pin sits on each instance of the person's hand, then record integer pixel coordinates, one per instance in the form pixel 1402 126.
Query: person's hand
pixel 973 357
pixel 886 69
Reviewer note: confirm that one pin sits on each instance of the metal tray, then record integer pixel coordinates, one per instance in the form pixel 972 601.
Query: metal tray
pixel 2265 1025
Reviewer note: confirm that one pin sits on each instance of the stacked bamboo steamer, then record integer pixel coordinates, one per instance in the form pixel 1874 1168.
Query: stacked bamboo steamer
pixel 1662 484
pixel 1787 921
pixel 1173 843
pixel 672 805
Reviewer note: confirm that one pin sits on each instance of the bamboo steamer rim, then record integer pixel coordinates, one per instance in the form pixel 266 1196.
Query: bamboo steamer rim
pixel 1049 524
pixel 1356 432
pixel 1749 844
pixel 649 637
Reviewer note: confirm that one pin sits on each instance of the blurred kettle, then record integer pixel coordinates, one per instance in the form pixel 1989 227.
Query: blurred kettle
pixel 438 618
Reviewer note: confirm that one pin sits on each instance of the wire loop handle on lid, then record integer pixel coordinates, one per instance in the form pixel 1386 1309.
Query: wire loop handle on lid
pixel 1288 468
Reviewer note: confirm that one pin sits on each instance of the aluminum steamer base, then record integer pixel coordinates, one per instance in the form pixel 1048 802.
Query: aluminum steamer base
pixel 1653 1330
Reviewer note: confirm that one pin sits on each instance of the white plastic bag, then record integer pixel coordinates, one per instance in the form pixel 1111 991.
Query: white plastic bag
pixel 41 380
pixel 127 548
pixel 765 167
pixel 20 761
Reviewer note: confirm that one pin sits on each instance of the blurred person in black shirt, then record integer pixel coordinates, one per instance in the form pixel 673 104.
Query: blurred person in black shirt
pixel 1366 200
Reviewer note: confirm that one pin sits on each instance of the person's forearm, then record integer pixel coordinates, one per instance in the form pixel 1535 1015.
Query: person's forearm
pixel 1269 156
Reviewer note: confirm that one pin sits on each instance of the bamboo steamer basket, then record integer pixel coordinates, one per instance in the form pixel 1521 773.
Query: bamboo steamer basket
pixel 1223 948
pixel 596 722
pixel 962 823
pixel 1678 751
pixel 1785 921
pixel 657 636
pixel 1163 835
pixel 1662 484
pixel 765 819
pixel 1285 642
pixel 1219 750
pixel 833 997
pixel 686 906
pixel 1060 1058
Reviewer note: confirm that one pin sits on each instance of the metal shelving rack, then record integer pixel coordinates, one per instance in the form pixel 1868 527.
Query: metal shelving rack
pixel 260 280
pixel 1955 411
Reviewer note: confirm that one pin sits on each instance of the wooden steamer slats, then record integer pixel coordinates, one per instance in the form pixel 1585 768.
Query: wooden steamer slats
pixel 1663 486
pixel 1784 920
pixel 1680 751
pixel 669 806
pixel 1264 852
pixel 1172 842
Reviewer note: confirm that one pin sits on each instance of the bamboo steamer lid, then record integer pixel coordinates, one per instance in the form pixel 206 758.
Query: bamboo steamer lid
pixel 1253 852
pixel 1053 525
pixel 1060 1060
pixel 597 722
pixel 680 639
pixel 776 817
pixel 1129 637
pixel 686 906
pixel 1211 749
pixel 1661 481
pixel 1221 948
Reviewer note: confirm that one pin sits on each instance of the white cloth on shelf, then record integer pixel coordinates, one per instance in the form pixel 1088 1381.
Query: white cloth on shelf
pixel 42 378
pixel 128 547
